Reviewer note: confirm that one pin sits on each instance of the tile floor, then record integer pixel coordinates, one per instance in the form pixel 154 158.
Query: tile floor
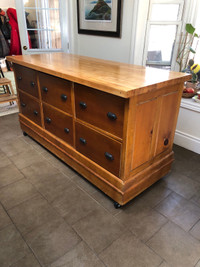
pixel 50 216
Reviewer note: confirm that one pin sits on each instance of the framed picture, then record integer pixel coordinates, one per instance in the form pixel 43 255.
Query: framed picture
pixel 99 17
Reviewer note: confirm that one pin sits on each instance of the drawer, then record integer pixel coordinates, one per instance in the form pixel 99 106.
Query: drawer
pixel 100 109
pixel 26 80
pixel 30 108
pixel 58 123
pixel 56 92
pixel 99 148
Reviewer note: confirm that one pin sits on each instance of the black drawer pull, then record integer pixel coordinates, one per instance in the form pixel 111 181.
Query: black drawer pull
pixel 23 104
pixel 63 97
pixel 66 130
pixel 45 89
pixel 111 116
pixel 19 78
pixel 32 84
pixel 166 141
pixel 83 141
pixel 35 112
pixel 109 156
pixel 48 120
pixel 83 105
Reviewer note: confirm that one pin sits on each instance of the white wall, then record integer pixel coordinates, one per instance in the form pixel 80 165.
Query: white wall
pixel 117 49
pixel 5 4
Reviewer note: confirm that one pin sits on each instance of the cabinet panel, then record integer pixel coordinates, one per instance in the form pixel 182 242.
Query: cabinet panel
pixel 167 121
pixel 58 123
pixel 100 109
pixel 30 108
pixel 26 80
pixel 56 92
pixel 99 148
pixel 144 130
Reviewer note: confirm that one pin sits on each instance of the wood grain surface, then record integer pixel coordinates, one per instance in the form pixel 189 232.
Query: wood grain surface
pixel 120 79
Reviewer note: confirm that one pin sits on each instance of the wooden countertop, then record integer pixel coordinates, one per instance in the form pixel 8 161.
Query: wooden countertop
pixel 120 79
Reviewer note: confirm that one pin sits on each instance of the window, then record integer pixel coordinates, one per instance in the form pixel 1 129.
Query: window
pixel 43 24
pixel 163 30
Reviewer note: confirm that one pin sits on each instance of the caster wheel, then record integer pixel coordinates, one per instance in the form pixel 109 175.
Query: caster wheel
pixel 117 205
pixel 25 134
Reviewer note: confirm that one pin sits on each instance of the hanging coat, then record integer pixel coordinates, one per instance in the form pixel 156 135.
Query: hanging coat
pixel 15 46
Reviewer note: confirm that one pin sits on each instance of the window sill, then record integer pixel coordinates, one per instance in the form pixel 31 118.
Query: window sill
pixel 189 103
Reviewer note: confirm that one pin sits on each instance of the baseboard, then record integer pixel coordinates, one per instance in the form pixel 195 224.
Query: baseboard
pixel 187 141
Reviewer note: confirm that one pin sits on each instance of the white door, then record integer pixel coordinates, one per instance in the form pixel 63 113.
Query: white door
pixel 43 26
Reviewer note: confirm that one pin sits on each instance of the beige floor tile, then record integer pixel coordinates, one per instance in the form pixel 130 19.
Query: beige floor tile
pixel 52 186
pixel 12 246
pixel 5 161
pixel 175 246
pixel 98 229
pixel 14 147
pixel 25 159
pixel 81 255
pixel 84 184
pixel 195 231
pixel 105 202
pixel 15 193
pixel 74 205
pixel 32 213
pixel 27 261
pixel 180 211
pixel 9 174
pixel 4 218
pixel 52 240
pixel 182 185
pixel 141 219
pixel 36 171
pixel 129 251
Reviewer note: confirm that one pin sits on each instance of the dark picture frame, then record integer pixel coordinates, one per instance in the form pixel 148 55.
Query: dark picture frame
pixel 94 23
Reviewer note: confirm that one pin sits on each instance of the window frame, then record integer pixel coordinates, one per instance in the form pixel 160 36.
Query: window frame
pixel 150 22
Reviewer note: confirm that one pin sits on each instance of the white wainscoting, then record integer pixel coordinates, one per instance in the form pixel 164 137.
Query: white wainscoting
pixel 188 126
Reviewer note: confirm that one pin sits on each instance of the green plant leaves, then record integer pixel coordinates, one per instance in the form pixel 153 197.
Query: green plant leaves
pixel 189 28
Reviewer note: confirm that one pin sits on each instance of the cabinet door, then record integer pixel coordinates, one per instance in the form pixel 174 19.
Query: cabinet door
pixel 167 122
pixel 144 131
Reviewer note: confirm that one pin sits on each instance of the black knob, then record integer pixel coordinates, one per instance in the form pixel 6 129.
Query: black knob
pixel 23 104
pixel 111 116
pixel 83 105
pixel 66 130
pixel 83 141
pixel 32 84
pixel 63 97
pixel 166 141
pixel 35 112
pixel 45 89
pixel 109 156
pixel 19 78
pixel 48 120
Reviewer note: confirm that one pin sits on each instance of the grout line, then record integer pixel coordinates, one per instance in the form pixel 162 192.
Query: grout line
pixel 22 237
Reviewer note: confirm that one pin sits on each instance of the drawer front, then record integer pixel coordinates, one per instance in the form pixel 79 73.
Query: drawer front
pixel 99 148
pixel 56 92
pixel 101 109
pixel 26 80
pixel 30 108
pixel 58 123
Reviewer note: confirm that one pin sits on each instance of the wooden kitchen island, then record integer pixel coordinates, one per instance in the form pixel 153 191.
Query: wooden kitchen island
pixel 113 123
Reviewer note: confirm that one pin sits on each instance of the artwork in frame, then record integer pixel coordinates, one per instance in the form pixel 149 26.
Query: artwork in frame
pixel 99 17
